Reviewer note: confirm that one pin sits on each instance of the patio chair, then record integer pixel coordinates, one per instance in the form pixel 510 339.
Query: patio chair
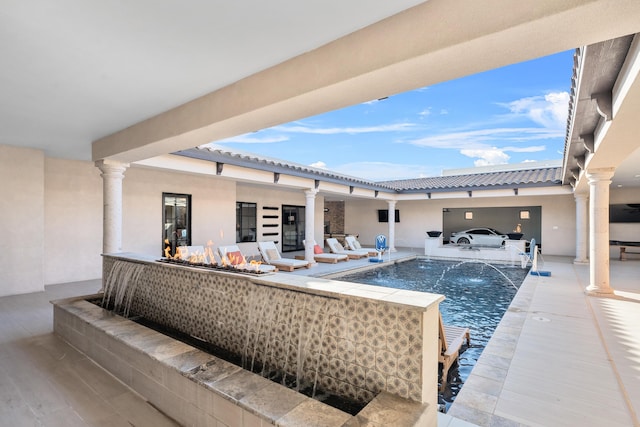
pixel 193 254
pixel 232 256
pixel 319 255
pixel 337 248
pixel 450 339
pixel 355 245
pixel 271 256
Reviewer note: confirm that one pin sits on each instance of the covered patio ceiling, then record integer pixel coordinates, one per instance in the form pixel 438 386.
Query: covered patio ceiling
pixel 93 80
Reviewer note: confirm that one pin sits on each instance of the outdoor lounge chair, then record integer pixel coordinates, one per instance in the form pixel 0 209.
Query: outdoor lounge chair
pixel 232 256
pixel 192 254
pixel 354 245
pixel 337 248
pixel 319 255
pixel 450 340
pixel 271 256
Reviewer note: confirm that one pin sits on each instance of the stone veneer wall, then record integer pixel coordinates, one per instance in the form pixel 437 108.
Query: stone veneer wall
pixel 335 216
pixel 355 346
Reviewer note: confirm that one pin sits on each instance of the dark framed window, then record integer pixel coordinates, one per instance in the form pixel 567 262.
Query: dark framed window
pixel 383 215
pixel 293 223
pixel 176 222
pixel 246 222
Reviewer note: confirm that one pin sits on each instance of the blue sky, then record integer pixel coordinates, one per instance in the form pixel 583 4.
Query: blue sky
pixel 512 114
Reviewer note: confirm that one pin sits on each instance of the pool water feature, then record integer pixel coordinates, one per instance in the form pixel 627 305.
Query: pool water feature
pixel 477 296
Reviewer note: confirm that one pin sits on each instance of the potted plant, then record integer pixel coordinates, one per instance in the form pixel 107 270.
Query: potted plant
pixel 434 233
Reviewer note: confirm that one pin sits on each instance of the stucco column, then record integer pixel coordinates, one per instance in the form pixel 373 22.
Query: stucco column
pixel 112 176
pixel 582 228
pixel 309 224
pixel 392 225
pixel 599 182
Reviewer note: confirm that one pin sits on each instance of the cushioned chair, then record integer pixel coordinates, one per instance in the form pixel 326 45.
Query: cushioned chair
pixel 337 248
pixel 319 255
pixel 354 245
pixel 193 254
pixel 232 256
pixel 451 339
pixel 271 256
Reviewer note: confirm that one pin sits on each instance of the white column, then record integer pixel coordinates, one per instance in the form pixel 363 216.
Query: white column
pixel 392 225
pixel 599 182
pixel 112 176
pixel 309 224
pixel 582 228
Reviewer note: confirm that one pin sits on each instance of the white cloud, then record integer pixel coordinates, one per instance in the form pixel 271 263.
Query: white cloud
pixel 444 112
pixel 487 156
pixel 383 171
pixel 397 127
pixel 319 164
pixel 549 111
pixel 483 137
pixel 530 149
pixel 425 112
pixel 248 139
pixel 497 156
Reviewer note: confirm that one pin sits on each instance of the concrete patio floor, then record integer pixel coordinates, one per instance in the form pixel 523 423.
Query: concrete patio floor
pixel 558 358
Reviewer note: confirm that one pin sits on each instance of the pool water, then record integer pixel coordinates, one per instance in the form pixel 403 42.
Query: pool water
pixel 477 296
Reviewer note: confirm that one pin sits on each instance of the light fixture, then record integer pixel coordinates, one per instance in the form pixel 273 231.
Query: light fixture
pixel 524 215
pixel 468 215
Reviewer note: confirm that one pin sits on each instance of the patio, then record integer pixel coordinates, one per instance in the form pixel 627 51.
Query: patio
pixel 557 358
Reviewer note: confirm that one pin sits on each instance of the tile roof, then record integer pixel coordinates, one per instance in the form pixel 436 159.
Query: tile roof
pixel 548 176
pixel 523 177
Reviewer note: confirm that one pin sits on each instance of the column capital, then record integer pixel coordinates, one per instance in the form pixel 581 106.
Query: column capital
pixel 311 192
pixel 580 196
pixel 601 174
pixel 108 166
pixel 391 202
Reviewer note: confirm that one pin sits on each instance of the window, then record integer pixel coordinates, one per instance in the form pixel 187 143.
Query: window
pixel 480 231
pixel 245 222
pixel 383 215
pixel 293 223
pixel 176 220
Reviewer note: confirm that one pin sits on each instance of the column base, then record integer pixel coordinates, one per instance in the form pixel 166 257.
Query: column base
pixel 596 291
pixel 581 261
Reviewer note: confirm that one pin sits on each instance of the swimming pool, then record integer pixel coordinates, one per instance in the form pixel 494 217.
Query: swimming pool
pixel 477 296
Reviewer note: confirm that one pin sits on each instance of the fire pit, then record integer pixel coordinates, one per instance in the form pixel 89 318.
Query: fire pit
pixel 247 268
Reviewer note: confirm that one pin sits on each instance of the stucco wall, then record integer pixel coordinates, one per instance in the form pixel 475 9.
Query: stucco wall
pixel 22 218
pixel 212 208
pixel 417 217
pixel 51 211
pixel 73 221
pixel 276 198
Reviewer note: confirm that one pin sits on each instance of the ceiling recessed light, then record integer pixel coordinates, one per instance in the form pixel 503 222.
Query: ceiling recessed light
pixel 619 185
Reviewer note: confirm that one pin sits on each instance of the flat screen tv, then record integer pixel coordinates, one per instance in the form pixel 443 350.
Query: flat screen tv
pixel 383 215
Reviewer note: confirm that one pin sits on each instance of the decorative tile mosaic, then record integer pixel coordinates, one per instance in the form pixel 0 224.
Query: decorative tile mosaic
pixel 351 346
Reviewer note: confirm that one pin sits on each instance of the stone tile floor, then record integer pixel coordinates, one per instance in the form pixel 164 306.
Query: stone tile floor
pixel 46 382
pixel 558 358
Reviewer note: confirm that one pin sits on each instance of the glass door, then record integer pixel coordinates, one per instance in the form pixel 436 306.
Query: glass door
pixel 292 228
pixel 176 219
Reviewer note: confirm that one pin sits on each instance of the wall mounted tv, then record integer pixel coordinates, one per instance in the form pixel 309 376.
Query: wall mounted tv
pixel 383 215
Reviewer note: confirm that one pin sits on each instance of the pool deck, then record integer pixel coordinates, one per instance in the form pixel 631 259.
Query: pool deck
pixel 558 358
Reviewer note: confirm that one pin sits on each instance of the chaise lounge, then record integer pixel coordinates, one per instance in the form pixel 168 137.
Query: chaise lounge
pixel 271 256
pixel 354 245
pixel 337 248
pixel 231 255
pixel 319 255
pixel 450 339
